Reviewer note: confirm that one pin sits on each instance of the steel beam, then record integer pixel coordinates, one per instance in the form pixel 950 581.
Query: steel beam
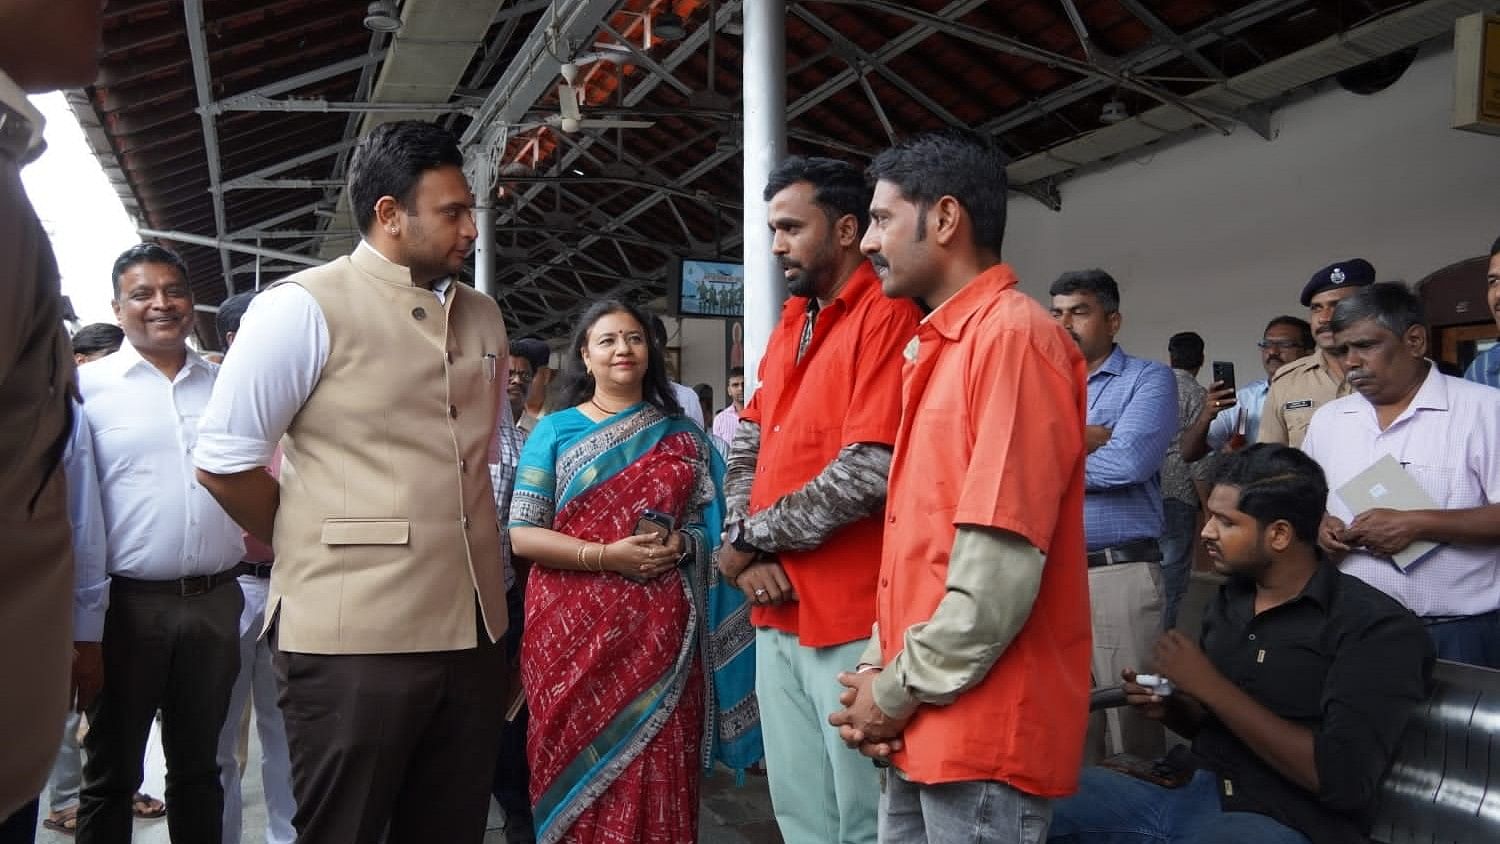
pixel 288 163
pixel 292 83
pixel 198 48
pixel 224 245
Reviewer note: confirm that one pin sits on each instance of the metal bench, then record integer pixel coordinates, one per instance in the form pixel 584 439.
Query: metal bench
pixel 1444 785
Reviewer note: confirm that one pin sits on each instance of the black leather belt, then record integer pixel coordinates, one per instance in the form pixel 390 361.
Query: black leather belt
pixel 260 570
pixel 1139 551
pixel 185 587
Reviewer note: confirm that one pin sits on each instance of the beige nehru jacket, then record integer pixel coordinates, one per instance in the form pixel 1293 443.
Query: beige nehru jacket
pixel 386 538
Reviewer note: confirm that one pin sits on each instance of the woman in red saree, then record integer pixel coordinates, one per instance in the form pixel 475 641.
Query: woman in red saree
pixel 612 654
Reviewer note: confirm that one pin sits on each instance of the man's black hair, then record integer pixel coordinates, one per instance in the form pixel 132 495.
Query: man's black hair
pixel 838 186
pixel 231 310
pixel 959 163
pixel 1495 248
pixel 146 253
pixel 1100 284
pixel 1185 350
pixel 391 159
pixel 1389 303
pixel 736 372
pixel 656 388
pixel 1304 330
pixel 533 350
pixel 1277 483
pixel 98 337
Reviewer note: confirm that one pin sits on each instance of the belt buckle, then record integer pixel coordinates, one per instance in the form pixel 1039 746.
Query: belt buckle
pixel 186 586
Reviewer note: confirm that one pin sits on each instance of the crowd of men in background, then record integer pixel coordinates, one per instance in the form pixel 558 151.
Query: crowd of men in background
pixel 952 510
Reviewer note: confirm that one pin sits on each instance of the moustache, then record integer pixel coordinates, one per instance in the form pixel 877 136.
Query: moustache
pixel 879 261
pixel 788 264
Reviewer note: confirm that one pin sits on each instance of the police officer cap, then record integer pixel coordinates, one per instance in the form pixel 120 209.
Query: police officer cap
pixel 1355 272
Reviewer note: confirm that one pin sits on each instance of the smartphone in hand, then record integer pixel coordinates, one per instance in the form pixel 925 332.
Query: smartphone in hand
pixel 655 522
pixel 1224 373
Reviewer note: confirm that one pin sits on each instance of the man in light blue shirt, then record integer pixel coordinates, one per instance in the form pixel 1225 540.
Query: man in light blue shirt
pixel 1132 420
pixel 1285 339
pixel 1486 367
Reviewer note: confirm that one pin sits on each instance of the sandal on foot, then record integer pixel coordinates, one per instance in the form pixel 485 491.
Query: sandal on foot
pixel 65 822
pixel 143 805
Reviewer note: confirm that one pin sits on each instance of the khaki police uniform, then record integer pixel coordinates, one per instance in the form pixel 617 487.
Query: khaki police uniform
pixel 1297 390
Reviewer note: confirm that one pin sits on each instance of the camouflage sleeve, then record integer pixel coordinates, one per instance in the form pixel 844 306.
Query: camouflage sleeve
pixel 740 472
pixel 848 489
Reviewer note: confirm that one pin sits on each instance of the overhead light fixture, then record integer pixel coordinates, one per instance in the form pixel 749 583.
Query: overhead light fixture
pixel 668 26
pixel 1113 112
pixel 382 16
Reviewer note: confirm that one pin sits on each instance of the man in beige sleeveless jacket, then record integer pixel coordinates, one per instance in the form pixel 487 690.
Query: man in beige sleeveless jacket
pixel 382 377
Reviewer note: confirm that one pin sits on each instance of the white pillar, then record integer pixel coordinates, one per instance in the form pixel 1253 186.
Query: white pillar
pixel 764 87
pixel 484 247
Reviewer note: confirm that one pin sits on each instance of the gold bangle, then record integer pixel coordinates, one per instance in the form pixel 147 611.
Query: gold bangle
pixel 600 559
pixel 578 559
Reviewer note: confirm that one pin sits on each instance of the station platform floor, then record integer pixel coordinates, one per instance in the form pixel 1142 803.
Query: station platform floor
pixel 730 814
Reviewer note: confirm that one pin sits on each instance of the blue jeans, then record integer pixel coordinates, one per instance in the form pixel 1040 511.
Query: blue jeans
pixel 971 812
pixel 1112 808
pixel 1474 640
pixel 1179 533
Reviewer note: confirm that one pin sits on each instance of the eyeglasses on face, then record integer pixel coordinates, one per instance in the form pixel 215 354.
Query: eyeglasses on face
pixel 1280 345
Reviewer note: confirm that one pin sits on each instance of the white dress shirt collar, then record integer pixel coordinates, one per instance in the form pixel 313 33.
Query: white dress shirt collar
pixel 1432 395
pixel 128 358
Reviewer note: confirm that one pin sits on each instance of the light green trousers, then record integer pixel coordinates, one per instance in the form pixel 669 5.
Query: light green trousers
pixel 823 792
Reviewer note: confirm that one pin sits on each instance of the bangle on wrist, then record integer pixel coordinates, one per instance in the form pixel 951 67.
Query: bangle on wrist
pixel 600 559
pixel 866 667
pixel 578 559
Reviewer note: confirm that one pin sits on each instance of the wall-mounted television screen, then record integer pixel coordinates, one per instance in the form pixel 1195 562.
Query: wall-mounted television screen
pixel 708 289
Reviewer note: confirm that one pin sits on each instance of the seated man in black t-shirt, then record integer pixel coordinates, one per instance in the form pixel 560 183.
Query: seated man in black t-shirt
pixel 1295 701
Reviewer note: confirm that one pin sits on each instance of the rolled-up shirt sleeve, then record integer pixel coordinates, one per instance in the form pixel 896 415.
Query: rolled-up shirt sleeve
pixel 278 356
pixel 90 546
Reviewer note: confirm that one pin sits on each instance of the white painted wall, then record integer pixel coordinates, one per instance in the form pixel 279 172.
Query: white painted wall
pixel 1218 234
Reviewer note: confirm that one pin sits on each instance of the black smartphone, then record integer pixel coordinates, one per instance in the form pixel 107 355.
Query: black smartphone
pixel 657 522
pixel 1224 372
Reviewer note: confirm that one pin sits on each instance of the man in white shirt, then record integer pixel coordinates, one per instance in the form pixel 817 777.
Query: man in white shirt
pixel 685 396
pixel 171 631
pixel 1445 432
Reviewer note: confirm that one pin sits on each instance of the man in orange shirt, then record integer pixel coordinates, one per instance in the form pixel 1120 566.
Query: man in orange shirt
pixel 803 493
pixel 975 684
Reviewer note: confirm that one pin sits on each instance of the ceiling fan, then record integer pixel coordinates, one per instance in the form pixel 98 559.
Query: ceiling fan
pixel 569 117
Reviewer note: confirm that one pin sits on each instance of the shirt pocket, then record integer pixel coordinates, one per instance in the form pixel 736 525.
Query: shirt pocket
pixel 122 456
pixel 1290 676
pixel 1440 484
pixel 366 531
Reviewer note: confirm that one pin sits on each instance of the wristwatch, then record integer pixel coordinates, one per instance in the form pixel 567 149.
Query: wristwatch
pixel 736 537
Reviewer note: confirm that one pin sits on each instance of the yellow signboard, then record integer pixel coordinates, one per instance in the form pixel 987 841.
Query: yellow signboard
pixel 1476 81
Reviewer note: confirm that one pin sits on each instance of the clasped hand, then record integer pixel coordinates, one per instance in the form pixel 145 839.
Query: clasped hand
pixel 861 724
pixel 642 556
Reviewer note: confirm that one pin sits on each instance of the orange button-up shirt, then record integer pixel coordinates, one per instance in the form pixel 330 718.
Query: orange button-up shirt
pixel 993 410
pixel 845 390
